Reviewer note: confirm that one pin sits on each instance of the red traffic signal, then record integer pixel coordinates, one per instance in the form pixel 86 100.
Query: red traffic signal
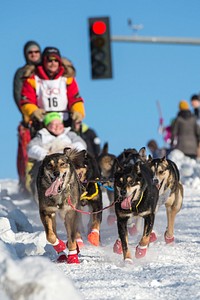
pixel 100 50
pixel 99 27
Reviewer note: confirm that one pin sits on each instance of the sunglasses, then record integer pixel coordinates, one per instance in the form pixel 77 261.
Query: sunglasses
pixel 31 52
pixel 52 59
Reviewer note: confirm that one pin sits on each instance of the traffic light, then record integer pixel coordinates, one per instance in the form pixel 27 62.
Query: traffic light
pixel 100 50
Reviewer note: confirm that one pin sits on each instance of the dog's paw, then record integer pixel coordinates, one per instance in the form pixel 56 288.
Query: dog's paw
pixel 117 248
pixel 72 258
pixel 59 246
pixel 62 258
pixel 77 246
pixel 111 219
pixel 132 229
pixel 168 240
pixel 153 237
pixel 93 237
pixel 140 251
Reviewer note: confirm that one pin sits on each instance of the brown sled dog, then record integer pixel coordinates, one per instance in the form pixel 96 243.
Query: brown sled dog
pixel 167 179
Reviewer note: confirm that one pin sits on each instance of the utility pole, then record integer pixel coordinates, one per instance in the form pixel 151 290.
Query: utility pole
pixel 156 40
pixel 153 39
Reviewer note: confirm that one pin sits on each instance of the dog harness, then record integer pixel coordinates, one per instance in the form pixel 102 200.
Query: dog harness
pixel 139 201
pixel 91 197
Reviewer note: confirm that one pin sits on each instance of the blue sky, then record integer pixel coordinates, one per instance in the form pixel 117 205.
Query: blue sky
pixel 122 110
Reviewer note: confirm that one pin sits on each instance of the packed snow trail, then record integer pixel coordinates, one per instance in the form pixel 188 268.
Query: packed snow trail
pixel 28 268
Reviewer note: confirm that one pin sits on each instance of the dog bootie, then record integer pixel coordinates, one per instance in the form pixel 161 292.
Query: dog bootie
pixel 153 237
pixel 140 251
pixel 168 240
pixel 59 246
pixel 80 243
pixel 117 248
pixel 132 229
pixel 93 237
pixel 62 257
pixel 128 261
pixel 72 257
pixel 111 219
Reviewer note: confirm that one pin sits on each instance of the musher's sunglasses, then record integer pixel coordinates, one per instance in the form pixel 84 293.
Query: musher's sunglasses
pixel 31 52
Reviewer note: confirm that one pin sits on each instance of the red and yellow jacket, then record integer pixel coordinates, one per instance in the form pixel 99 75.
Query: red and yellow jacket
pixel 29 103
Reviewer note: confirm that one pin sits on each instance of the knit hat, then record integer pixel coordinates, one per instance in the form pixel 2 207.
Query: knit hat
pixel 28 46
pixel 183 105
pixel 50 117
pixel 51 52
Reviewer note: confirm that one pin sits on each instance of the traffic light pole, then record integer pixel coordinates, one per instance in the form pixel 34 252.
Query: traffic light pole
pixel 100 51
pixel 153 39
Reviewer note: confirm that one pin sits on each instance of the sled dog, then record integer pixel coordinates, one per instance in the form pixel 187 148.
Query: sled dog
pixel 135 195
pixel 167 179
pixel 131 156
pixel 63 185
pixel 58 186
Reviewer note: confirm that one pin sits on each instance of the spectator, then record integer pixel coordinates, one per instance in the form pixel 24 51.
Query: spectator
pixel 185 131
pixel 51 139
pixel 155 150
pixel 90 137
pixel 51 88
pixel 195 102
pixel 32 54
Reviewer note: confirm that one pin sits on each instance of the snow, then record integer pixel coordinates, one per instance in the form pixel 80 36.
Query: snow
pixel 28 268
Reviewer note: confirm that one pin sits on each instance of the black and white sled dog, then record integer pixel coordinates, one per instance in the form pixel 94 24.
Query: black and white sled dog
pixel 167 179
pixel 108 163
pixel 135 195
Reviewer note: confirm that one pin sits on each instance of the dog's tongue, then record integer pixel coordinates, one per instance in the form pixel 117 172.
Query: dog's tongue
pixel 53 189
pixel 126 203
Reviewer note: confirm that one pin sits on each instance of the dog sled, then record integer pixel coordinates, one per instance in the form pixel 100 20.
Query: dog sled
pixel 25 132
pixel 24 137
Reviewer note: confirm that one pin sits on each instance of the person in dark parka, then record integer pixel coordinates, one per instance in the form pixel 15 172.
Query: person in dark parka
pixel 32 55
pixel 186 131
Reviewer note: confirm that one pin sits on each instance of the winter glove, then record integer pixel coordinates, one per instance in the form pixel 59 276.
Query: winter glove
pixel 77 116
pixel 38 114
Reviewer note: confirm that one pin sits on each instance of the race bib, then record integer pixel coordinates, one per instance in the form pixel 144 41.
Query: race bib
pixel 51 94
